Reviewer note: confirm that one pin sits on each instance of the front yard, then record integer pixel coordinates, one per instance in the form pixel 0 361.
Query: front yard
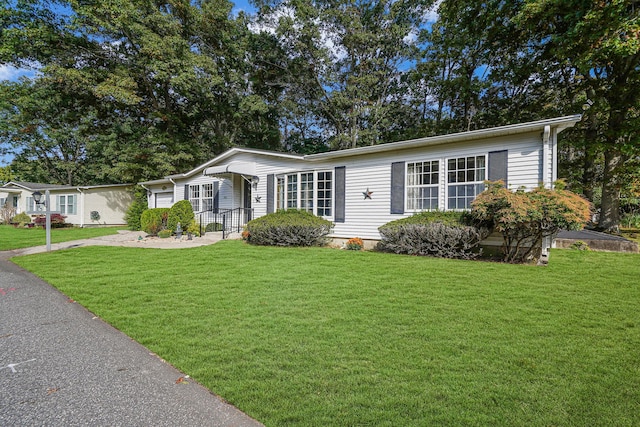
pixel 321 337
pixel 17 238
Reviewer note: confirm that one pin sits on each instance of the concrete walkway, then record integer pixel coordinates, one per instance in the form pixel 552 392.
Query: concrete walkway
pixel 131 239
pixel 61 365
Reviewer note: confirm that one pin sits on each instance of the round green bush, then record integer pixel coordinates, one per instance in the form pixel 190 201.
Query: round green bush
pixel 154 220
pixel 439 234
pixel 289 228
pixel 181 212
pixel 21 219
pixel 163 234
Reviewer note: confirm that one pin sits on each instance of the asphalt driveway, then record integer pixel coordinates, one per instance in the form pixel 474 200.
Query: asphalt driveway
pixel 60 365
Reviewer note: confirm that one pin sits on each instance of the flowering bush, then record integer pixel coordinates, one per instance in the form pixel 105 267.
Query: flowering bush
pixel 525 218
pixel 57 221
pixel 354 244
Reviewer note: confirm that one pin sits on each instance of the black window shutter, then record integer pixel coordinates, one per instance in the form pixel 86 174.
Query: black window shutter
pixel 498 166
pixel 271 178
pixel 397 188
pixel 216 197
pixel 340 185
pixel 186 192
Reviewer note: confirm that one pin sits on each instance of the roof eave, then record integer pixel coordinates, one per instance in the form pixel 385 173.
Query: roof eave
pixel 560 123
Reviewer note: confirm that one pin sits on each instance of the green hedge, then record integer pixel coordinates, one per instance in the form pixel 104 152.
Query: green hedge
pixel 154 220
pixel 289 228
pixel 181 212
pixel 439 234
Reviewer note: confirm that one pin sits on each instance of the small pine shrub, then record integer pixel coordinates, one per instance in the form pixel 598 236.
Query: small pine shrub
pixel 438 234
pixel 289 228
pixel 163 234
pixel 181 212
pixel 134 213
pixel 154 220
pixel 57 221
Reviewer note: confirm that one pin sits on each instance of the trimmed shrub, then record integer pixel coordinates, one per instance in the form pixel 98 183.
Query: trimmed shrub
pixel 134 213
pixel 57 221
pixel 194 229
pixel 154 220
pixel 525 218
pixel 181 212
pixel 438 234
pixel 213 226
pixel 21 219
pixel 163 234
pixel 289 228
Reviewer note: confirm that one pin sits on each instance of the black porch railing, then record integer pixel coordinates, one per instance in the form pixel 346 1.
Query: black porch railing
pixel 227 221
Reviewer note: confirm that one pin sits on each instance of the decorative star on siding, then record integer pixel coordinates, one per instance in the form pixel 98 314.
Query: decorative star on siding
pixel 367 194
pixel 258 199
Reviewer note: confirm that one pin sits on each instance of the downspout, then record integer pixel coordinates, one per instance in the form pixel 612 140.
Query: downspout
pixel 545 156
pixel 174 190
pixel 148 195
pixel 81 207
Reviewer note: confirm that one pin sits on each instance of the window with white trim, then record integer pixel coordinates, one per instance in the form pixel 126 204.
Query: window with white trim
pixel 33 207
pixel 324 194
pixel 309 191
pixel 280 194
pixel 194 197
pixel 423 185
pixel 465 180
pixel 207 197
pixel 3 201
pixel 67 204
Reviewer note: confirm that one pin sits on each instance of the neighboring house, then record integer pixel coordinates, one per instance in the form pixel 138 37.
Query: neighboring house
pixel 75 202
pixel 362 188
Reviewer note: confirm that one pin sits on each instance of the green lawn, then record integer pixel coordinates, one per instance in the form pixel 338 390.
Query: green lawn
pixel 16 238
pixel 322 337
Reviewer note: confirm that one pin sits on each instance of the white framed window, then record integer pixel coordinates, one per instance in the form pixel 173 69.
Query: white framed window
pixel 3 201
pixel 33 207
pixel 465 180
pixel 423 180
pixel 309 191
pixel 207 197
pixel 324 194
pixel 67 204
pixel 292 191
pixel 280 193
pixel 194 197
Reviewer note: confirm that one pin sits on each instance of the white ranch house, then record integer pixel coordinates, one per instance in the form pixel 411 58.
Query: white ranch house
pixel 76 203
pixel 362 188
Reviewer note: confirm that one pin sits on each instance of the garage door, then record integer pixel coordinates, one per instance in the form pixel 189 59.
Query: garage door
pixel 164 200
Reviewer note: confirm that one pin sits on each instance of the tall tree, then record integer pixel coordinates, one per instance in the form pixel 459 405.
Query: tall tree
pixel 601 42
pixel 344 75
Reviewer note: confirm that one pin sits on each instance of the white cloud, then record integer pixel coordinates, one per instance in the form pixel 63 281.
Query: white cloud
pixel 8 72
pixel 432 14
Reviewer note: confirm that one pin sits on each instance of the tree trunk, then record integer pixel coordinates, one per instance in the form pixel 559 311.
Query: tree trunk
pixel 609 212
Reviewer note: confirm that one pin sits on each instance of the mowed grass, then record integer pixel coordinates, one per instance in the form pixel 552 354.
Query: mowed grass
pixel 17 238
pixel 323 337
